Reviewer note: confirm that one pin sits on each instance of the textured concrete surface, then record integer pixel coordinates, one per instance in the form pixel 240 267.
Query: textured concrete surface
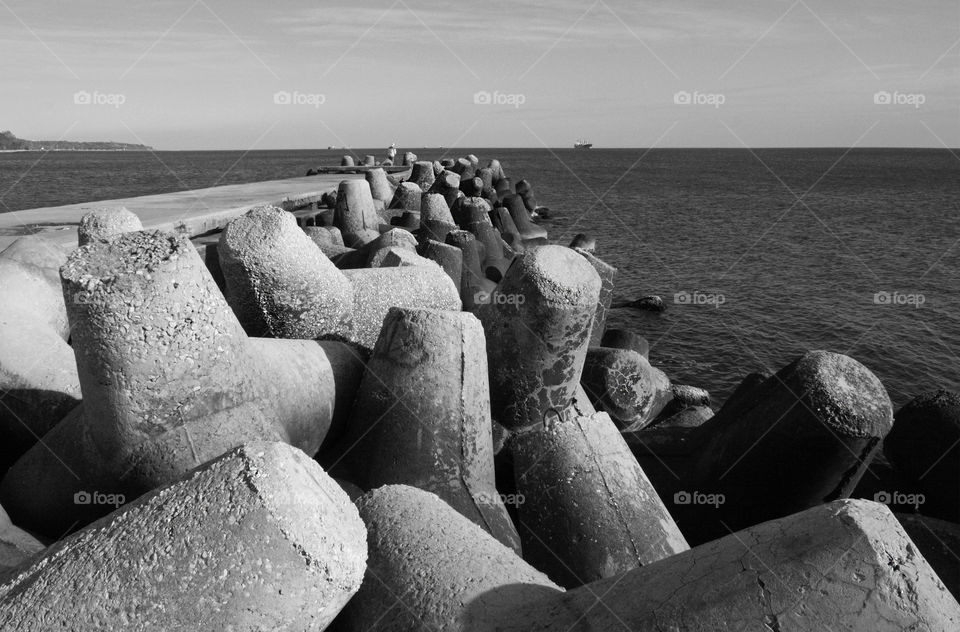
pixel 847 565
pixel 589 510
pixel 430 568
pixel 537 324
pixel 258 539
pixel 106 221
pixel 279 283
pixel 422 415
pixel 38 373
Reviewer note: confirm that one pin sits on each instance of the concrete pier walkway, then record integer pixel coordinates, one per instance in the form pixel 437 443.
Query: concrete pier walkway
pixel 194 212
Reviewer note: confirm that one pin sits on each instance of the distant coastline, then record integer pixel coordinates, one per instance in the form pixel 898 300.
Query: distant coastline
pixel 10 143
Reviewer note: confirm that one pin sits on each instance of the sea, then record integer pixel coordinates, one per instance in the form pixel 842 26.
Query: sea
pixel 760 255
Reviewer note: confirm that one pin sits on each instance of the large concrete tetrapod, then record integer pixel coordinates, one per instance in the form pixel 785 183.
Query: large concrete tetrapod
pixel 38 373
pixel 105 222
pixel 589 511
pixel 537 324
pixel 169 380
pixel 846 565
pixel 279 282
pixel 806 437
pixel 422 415
pixel 257 539
pixel 427 564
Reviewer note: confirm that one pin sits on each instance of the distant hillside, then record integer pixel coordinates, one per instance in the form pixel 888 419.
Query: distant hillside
pixel 8 141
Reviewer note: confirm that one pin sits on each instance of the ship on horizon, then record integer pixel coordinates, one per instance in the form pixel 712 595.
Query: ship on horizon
pixel 582 144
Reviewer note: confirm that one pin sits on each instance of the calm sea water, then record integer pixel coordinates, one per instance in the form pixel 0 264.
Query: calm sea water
pixel 769 253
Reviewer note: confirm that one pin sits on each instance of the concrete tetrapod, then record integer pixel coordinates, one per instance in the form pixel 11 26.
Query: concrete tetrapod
pixel 923 446
pixel 38 372
pixel 806 438
pixel 16 545
pixel 380 188
pixel 589 511
pixel 355 214
pixel 169 379
pixel 427 563
pixel 376 290
pixel 279 282
pixel 105 222
pixel 422 416
pixel 846 565
pixel 257 539
pixel 608 275
pixel 537 324
pixel 421 174
pixel 625 385
pixel 435 217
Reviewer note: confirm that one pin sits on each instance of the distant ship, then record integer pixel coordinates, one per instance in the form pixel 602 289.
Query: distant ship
pixel 582 144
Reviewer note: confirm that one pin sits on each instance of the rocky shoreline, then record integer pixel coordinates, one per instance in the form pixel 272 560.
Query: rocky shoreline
pixel 396 406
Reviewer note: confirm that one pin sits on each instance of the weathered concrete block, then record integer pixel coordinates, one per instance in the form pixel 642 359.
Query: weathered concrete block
pixel 376 290
pixel 435 217
pixel 395 256
pixel 422 416
pixel 169 380
pixel 356 215
pixel 448 257
pixel 846 565
pixel 38 373
pixel 537 324
pixel 260 538
pixel 608 275
pixel 105 222
pixel 531 234
pixel 422 174
pixel 16 546
pixel 380 188
pixel 407 197
pixel 623 339
pixel 475 287
pixel 924 445
pixel 447 184
pixel 589 510
pixel 805 438
pixel 279 283
pixel 430 568
pixel 626 386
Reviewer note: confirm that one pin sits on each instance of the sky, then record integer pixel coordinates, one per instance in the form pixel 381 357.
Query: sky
pixel 219 74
